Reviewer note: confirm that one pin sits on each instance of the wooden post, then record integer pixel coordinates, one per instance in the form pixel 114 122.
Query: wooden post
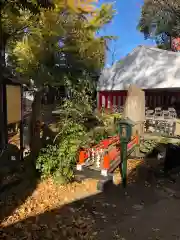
pixel 106 161
pixel 5 122
pixel 21 126
pixel 98 102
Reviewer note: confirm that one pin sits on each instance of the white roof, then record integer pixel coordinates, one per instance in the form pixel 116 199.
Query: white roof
pixel 147 67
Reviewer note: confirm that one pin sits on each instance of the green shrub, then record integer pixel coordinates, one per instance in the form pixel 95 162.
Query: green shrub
pixel 59 160
pixel 48 160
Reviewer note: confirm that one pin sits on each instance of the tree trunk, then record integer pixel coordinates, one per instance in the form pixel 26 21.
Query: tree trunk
pixel 35 141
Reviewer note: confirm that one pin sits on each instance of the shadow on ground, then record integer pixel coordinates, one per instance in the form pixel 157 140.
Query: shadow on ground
pixel 18 179
pixel 147 210
pixel 16 186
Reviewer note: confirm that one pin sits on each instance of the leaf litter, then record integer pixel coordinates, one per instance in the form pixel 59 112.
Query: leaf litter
pixel 62 221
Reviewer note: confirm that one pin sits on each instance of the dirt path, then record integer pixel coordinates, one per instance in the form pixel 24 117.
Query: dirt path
pixel 149 210
pixel 159 221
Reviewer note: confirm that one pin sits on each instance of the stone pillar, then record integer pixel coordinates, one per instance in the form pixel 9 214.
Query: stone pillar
pixel 134 108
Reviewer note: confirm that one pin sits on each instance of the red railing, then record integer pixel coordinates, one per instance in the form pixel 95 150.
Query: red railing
pixel 104 144
pixel 110 155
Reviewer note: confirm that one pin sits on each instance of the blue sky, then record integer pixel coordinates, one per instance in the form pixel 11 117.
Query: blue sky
pixel 124 26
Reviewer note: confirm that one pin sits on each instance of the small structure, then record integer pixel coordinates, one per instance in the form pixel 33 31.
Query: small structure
pixel 153 70
pixel 134 108
pixel 11 100
pixel 125 130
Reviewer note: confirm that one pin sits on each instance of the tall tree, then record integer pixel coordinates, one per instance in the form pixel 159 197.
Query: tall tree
pixel 160 19
pixel 15 16
pixel 60 44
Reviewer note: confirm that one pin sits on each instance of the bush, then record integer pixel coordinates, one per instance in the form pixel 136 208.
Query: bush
pixel 52 163
pixel 59 160
pixel 48 160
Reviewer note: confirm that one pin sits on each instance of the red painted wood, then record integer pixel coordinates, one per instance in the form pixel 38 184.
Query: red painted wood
pixel 105 143
pixel 100 101
pixel 110 95
pixel 123 100
pixel 106 162
pixel 121 97
pixel 116 98
pixel 153 98
pixel 106 100
pixel 114 153
pixel 147 99
pixel 111 100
